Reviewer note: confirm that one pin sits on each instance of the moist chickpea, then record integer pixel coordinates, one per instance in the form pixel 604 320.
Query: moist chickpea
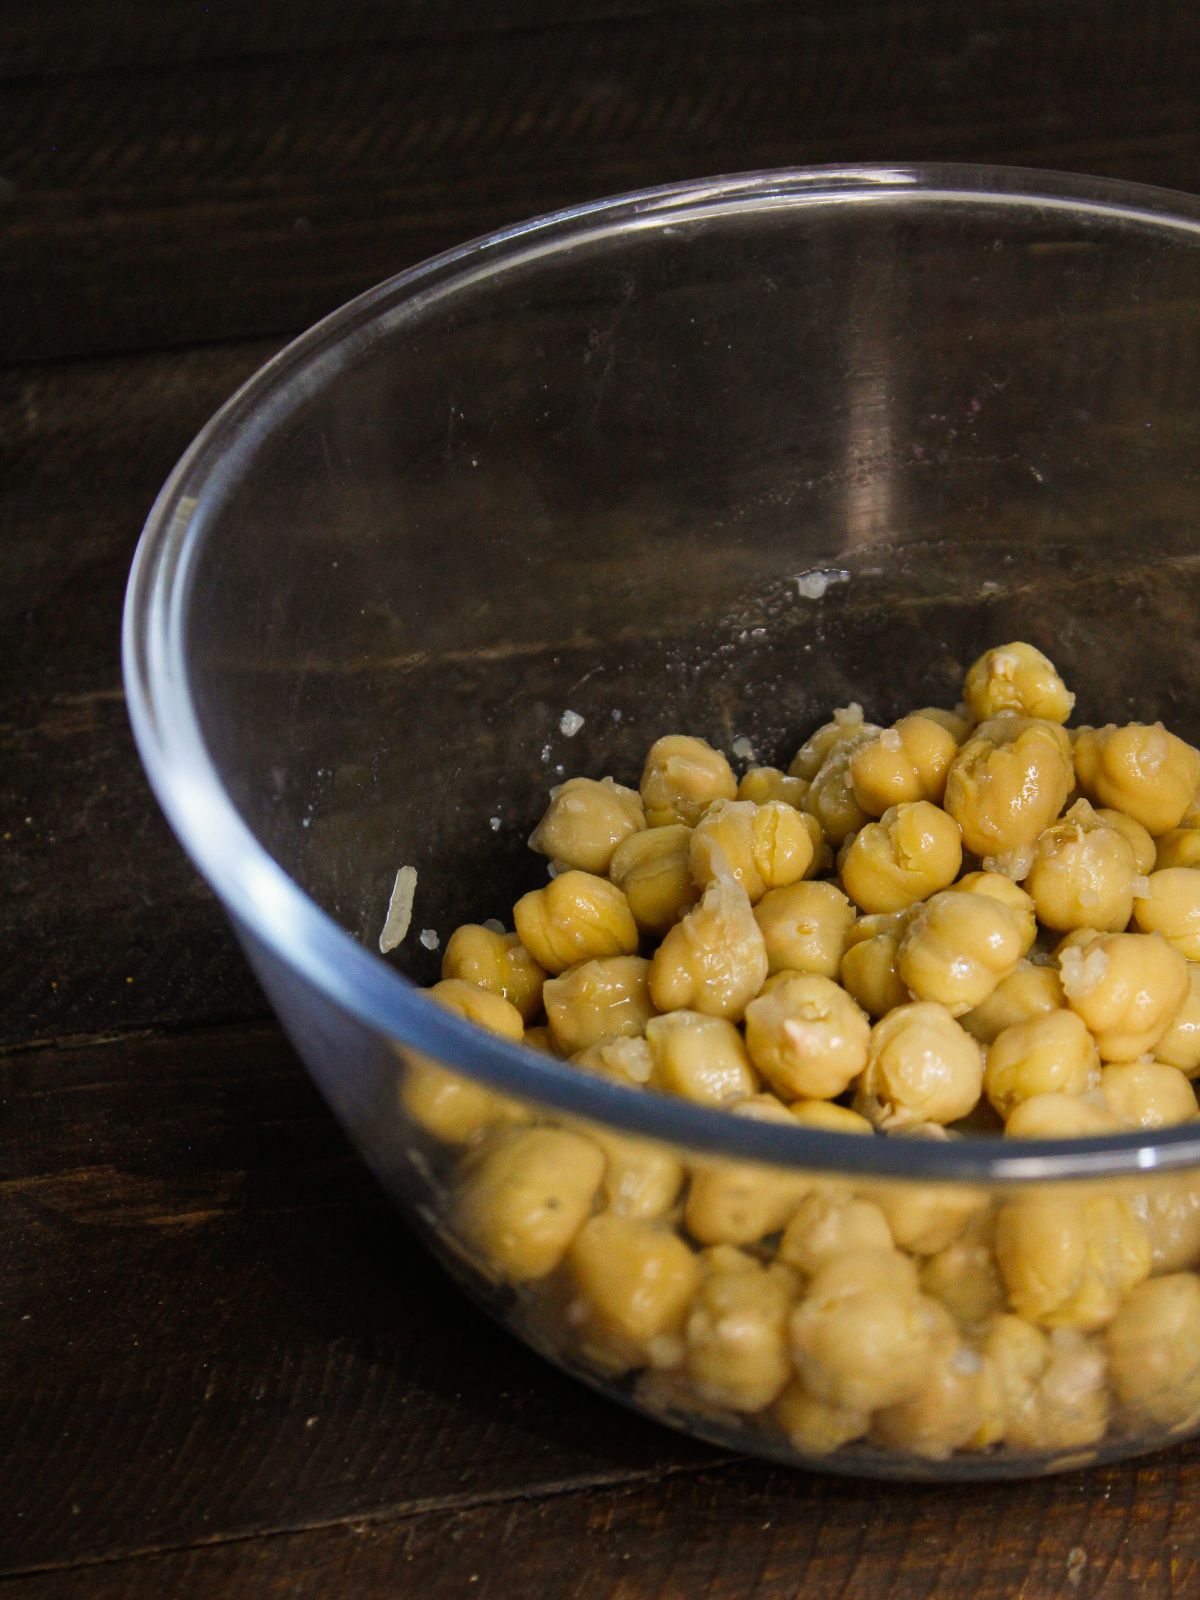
pixel 1180 1045
pixel 1170 1214
pixel 958 723
pixel 495 961
pixel 736 1348
pixel 1050 1054
pixel 921 1067
pixel 761 784
pixel 869 970
pixel 700 1058
pixel 957 948
pixel 446 1104
pixel 739 1203
pixel 1069 1260
pixel 845 726
pixel 1178 848
pixel 964 1276
pixel 714 960
pixel 598 1000
pixel 585 822
pixel 926 1218
pixel 523 1197
pixel 1008 782
pixel 910 853
pixel 831 1223
pixel 1134 835
pixel 829 1117
pixel 995 886
pixel 1028 991
pixel 1083 874
pixel 1053 1387
pixel 625 1060
pixel 1154 1353
pixel 1017 678
pixel 681 779
pixel 947 1412
pixel 1061 1116
pixel 804 928
pixel 1169 903
pixel 576 917
pixel 906 763
pixel 653 870
pixel 1128 988
pixel 1148 1094
pixel 633 1282
pixel 758 847
pixel 830 798
pixel 822 860
pixel 642 1179
pixel 807 1037
pixel 813 1427
pixel 1141 770
pixel 540 1038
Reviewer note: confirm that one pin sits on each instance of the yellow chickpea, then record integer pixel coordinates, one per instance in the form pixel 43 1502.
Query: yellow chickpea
pixel 804 928
pixel 633 1282
pixel 524 1196
pixel 1054 1394
pixel 921 1067
pixel 1028 991
pixel 1050 1054
pixel 1069 1260
pixel 1169 903
pixel 957 723
pixel 1135 836
pixel 653 870
pixel 736 1336
pixel 759 847
pixel 733 1202
pixel 681 779
pixel 597 1000
pixel 1082 875
pixel 700 1058
pixel 1143 771
pixel 1154 1353
pixel 995 886
pixel 446 1104
pixel 1148 1094
pixel 910 853
pixel 1170 1214
pixel 541 1039
pixel 926 1218
pixel 829 1117
pixel 761 784
pixel 807 1037
pixel 641 1179
pixel 830 1223
pixel 624 1060
pixel 822 860
pixel 957 948
pixel 1016 677
pixel 1061 1116
pixel 1128 988
pixel 714 960
pixel 947 1412
pixel 585 822
pixel 813 1427
pixel 964 1277
pixel 1180 1045
pixel 1178 848
pixel 902 764
pixel 576 917
pixel 846 725
pixel 830 798
pixel 1008 783
pixel 495 961
pixel 869 970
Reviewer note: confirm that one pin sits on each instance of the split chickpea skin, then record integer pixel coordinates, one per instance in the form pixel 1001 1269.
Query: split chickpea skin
pixel 965 921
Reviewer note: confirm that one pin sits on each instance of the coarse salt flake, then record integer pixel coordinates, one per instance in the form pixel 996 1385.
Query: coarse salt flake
pixel 743 748
pixel 570 724
pixel 812 585
pixel 429 938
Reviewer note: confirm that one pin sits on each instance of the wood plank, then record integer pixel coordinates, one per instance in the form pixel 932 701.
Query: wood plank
pixel 214 1323
pixel 232 199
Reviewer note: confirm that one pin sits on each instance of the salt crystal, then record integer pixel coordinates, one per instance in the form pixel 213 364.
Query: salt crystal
pixel 570 724
pixel 429 939
pixel 812 585
pixel 743 748
pixel 399 911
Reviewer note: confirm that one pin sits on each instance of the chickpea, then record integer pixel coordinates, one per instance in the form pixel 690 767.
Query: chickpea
pixel 829 1224
pixel 495 961
pixel 804 928
pixel 1180 1045
pixel 759 847
pixel 446 1104
pixel 598 1000
pixel 524 1196
pixel 576 917
pixel 1050 1054
pixel 736 1336
pixel 1147 1094
pixel 921 1067
pixel 585 822
pixel 1170 904
pixel 1128 988
pixel 641 1179
pixel 1053 1390
pixel 846 725
pixel 1082 875
pixel 1135 836
pixel 869 969
pixel 830 798
pixel 681 779
pixel 1061 1116
pixel 1016 677
pixel 541 1039
pixel 926 1218
pixel 633 1282
pixel 957 948
pixel 714 960
pixel 1179 848
pixel 761 784
pixel 1170 1214
pixel 623 1059
pixel 807 1037
pixel 1154 1353
pixel 1008 782
pixel 964 1277
pixel 700 1058
pixel 822 860
pixel 1028 991
pixel 912 851
pixel 653 870
pixel 1143 771
pixel 734 1202
pixel 902 764
pixel 995 886
pixel 813 1427
pixel 1069 1260
pixel 829 1117
pixel 947 1412
pixel 956 723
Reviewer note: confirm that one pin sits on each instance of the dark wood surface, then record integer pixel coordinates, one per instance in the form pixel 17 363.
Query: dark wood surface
pixel 225 1368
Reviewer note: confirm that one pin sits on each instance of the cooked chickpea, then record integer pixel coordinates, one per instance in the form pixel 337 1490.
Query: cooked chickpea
pixel 846 725
pixel 1054 1393
pixel 735 1202
pixel 761 784
pixel 927 1218
pixel 1061 1116
pixel 540 1038
pixel 921 1067
pixel 624 1060
pixel 759 847
pixel 633 1282
pixel 714 960
pixel 1180 1045
pixel 1143 771
pixel 736 1350
pixel 1082 874
pixel 956 949
pixel 995 886
pixel 495 961
pixel 681 779
pixel 830 798
pixel 813 1427
pixel 804 928
pixel 1169 903
pixel 1135 836
pixel 596 1000
pixel 831 1223
pixel 653 870
pixel 576 917
pixel 1170 1214
pixel 1148 1094
pixel 524 1196
pixel 1154 1353
pixel 829 1117
pixel 807 1037
pixel 700 1058
pixel 1050 1054
pixel 1178 848
pixel 1016 677
pixel 910 853
pixel 957 723
pixel 1069 1260
pixel 1128 988
pixel 1028 991
pixel 902 764
pixel 642 1179
pixel 822 860
pixel 947 1412
pixel 446 1104
pixel 1008 782
pixel 963 1275
pixel 585 822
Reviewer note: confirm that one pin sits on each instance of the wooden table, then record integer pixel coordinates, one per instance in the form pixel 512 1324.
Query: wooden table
pixel 225 1369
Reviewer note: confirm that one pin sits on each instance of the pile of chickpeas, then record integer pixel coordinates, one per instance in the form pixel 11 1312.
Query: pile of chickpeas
pixel 973 921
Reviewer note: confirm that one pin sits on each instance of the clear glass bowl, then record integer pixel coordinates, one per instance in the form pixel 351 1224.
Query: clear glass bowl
pixel 580 465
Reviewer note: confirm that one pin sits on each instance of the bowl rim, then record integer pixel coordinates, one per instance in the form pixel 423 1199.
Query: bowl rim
pixel 274 911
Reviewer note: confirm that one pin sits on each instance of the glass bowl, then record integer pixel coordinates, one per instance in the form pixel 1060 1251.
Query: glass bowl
pixel 579 466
